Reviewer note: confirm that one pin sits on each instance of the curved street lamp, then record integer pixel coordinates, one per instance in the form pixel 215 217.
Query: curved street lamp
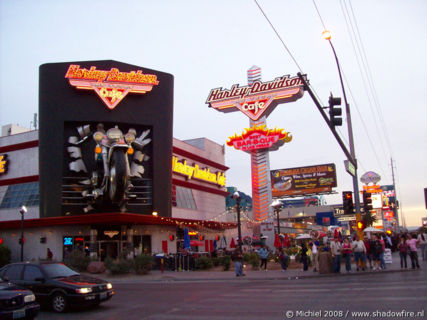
pixel 327 36
pixel 22 211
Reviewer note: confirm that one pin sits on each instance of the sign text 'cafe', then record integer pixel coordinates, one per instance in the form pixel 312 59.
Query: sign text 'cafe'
pixel 195 172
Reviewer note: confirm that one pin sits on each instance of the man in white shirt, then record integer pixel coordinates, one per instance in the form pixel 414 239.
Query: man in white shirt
pixel 359 251
pixel 336 254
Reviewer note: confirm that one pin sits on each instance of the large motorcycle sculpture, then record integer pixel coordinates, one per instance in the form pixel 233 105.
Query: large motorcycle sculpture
pixel 110 181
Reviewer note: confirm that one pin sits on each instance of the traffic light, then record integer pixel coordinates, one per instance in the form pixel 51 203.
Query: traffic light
pixel 367 201
pixel 360 225
pixel 347 201
pixel 335 113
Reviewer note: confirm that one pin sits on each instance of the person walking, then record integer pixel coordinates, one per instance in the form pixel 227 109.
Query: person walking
pixel 336 254
pixel 304 257
pixel 412 243
pixel 359 250
pixel 315 254
pixel 403 251
pixel 237 258
pixel 367 242
pixel 284 258
pixel 382 261
pixel 376 249
pixel 263 254
pixel 346 253
pixel 422 240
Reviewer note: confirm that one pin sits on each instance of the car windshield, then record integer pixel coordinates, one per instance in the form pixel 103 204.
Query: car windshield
pixel 58 270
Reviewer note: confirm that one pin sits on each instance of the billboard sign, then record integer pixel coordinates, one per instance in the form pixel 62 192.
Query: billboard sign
pixel 259 137
pixel 258 98
pixel 303 180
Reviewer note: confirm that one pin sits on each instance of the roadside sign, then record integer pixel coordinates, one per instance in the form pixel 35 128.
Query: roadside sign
pixel 349 167
pixel 345 218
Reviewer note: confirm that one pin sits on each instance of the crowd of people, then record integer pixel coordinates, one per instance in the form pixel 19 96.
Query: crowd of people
pixel 366 253
pixel 328 256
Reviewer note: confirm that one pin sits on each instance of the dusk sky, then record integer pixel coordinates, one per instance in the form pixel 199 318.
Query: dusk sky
pixel 210 44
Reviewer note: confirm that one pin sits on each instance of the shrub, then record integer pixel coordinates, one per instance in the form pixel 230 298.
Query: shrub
pixel 108 261
pixel 253 259
pixel 217 261
pixel 143 263
pixel 4 255
pixel 120 266
pixel 204 263
pixel 226 262
pixel 77 260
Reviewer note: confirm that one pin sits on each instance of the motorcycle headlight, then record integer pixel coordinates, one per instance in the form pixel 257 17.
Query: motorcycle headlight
pixel 114 134
pixel 97 136
pixel 130 136
pixel 84 290
pixel 29 298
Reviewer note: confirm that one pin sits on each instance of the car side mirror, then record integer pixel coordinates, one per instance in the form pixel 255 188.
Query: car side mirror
pixel 40 279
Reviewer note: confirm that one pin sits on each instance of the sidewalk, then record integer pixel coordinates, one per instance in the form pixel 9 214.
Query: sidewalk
pixel 276 274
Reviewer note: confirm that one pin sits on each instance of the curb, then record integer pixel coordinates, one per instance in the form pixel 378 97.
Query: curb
pixel 271 278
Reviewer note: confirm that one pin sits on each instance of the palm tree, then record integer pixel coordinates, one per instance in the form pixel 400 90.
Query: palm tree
pixel 368 219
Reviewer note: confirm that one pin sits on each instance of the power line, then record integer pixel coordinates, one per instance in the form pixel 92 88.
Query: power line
pixel 280 38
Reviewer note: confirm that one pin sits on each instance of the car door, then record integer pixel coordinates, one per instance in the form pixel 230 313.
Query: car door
pixel 34 280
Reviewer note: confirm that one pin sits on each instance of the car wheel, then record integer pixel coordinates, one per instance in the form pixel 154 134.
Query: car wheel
pixel 58 302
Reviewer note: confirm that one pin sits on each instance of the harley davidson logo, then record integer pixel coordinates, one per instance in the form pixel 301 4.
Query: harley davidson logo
pixel 255 99
pixel 111 86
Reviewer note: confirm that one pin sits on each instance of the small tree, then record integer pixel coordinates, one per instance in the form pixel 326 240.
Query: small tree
pixel 4 255
pixel 369 219
pixel 77 260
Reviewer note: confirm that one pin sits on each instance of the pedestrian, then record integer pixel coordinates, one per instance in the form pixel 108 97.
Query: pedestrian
pixel 422 240
pixel 237 258
pixel 336 254
pixel 284 259
pixel 359 250
pixel 49 254
pixel 367 243
pixel 403 251
pixel 346 254
pixel 304 259
pixel 315 255
pixel 412 243
pixel 383 267
pixel 263 254
pixel 376 250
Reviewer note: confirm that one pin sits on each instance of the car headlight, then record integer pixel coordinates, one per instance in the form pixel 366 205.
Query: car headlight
pixel 109 286
pixel 114 134
pixel 84 290
pixel 29 298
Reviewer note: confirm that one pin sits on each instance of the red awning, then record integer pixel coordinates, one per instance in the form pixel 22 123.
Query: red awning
pixel 116 218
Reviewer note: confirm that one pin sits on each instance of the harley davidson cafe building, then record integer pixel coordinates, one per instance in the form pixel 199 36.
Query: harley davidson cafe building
pixel 58 172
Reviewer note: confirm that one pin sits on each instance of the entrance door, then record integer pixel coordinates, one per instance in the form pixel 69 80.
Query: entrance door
pixel 109 249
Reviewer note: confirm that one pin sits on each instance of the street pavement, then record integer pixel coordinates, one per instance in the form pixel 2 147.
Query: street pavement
pixel 294 294
pixel 272 273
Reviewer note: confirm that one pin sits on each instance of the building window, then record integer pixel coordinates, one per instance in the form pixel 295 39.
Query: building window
pixel 18 195
pixel 185 198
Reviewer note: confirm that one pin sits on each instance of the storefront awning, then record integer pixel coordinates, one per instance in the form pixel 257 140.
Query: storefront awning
pixel 116 218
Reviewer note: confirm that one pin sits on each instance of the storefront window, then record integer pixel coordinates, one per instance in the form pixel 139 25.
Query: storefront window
pixel 16 195
pixel 185 198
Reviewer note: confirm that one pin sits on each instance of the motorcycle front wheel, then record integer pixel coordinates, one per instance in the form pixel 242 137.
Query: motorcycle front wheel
pixel 118 176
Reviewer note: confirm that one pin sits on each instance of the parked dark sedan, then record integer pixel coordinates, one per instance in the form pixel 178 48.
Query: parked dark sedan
pixel 17 302
pixel 56 285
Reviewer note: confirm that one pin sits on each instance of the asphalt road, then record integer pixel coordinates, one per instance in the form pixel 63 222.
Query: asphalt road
pixel 383 295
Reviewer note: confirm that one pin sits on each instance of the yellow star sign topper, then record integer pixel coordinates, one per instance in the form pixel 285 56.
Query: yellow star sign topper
pixel 3 163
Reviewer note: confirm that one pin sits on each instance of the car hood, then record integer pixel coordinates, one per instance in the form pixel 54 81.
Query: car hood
pixel 81 280
pixel 9 290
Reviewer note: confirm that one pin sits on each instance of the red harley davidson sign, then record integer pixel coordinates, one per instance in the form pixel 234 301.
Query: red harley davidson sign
pixel 111 86
pixel 256 99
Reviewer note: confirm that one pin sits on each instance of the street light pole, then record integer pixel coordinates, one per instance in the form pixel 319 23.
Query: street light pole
pixel 22 211
pixel 236 196
pixel 327 36
pixel 276 206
